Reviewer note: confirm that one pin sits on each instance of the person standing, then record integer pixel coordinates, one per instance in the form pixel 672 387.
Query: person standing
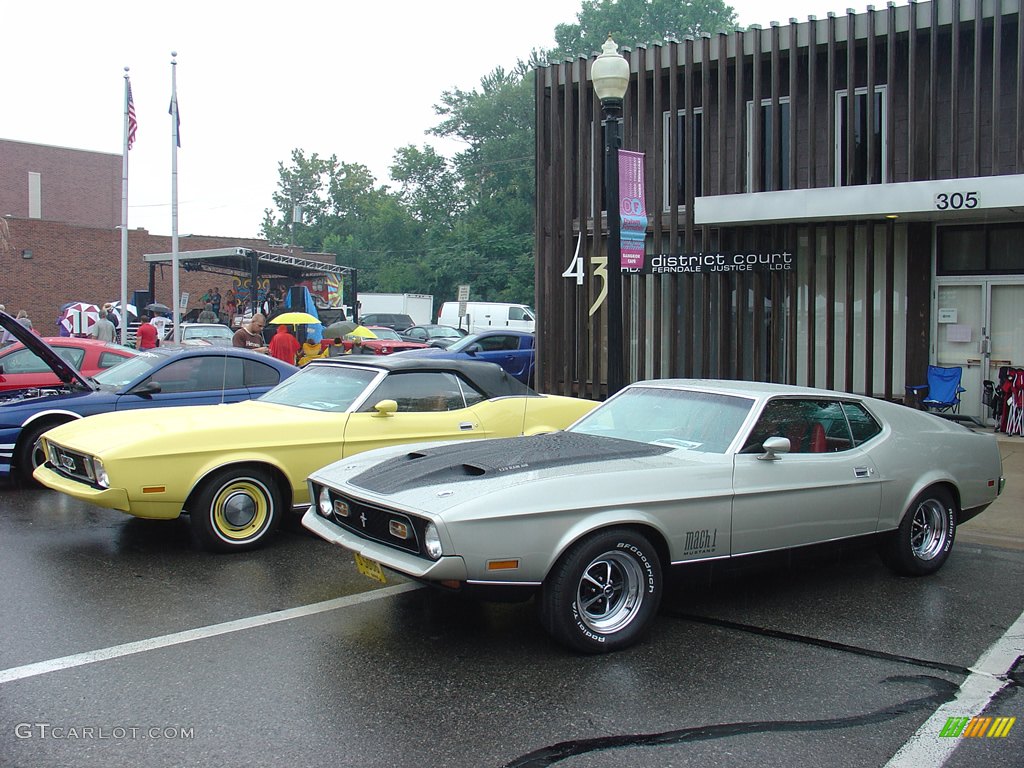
pixel 208 315
pixel 250 335
pixel 215 299
pixel 232 306
pixel 147 336
pixel 22 318
pixel 103 330
pixel 284 346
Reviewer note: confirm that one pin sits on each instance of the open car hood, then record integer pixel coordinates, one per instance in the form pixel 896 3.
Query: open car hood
pixel 65 372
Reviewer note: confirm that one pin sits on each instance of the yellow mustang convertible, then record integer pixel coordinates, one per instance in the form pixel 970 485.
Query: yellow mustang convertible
pixel 236 468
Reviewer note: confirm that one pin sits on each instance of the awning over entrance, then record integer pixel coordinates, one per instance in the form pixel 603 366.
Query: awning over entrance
pixel 987 198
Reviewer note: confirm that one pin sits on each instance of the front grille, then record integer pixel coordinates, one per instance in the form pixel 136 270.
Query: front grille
pixel 373 522
pixel 71 464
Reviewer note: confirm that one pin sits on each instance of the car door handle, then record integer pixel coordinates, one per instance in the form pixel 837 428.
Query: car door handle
pixel 465 426
pixel 862 471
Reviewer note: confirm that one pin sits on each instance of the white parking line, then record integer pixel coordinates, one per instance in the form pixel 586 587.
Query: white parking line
pixel 190 635
pixel 926 749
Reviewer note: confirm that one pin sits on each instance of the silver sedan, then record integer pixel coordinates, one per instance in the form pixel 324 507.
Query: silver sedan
pixel 665 473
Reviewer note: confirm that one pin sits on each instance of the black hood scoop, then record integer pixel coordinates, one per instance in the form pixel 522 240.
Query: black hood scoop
pixel 491 458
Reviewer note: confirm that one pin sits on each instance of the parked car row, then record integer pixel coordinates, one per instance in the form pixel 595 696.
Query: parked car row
pixel 583 506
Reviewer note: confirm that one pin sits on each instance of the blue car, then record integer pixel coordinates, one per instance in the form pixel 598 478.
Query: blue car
pixel 512 350
pixel 197 375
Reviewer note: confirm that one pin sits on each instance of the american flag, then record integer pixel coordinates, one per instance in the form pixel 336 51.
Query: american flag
pixel 133 124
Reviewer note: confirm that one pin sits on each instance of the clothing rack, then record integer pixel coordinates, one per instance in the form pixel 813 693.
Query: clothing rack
pixel 1006 399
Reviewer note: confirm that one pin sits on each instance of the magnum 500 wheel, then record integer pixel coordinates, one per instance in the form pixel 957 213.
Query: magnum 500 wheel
pixel 235 509
pixel 924 539
pixel 603 593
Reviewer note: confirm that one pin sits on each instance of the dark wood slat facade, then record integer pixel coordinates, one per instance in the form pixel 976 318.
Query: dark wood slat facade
pixel 805 126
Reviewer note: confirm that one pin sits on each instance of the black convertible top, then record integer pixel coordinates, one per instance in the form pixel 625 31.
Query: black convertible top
pixel 489 378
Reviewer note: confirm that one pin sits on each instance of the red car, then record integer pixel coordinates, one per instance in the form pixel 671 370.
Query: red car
pixel 387 341
pixel 21 368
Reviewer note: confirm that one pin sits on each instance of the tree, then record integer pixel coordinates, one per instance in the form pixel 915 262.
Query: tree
pixel 635 22
pixel 429 187
pixel 305 182
pixel 492 246
pixel 470 218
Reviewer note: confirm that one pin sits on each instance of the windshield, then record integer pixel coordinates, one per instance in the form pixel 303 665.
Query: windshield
pixel 386 333
pixel 130 370
pixel 323 387
pixel 206 332
pixel 696 421
pixel 465 341
pixel 442 332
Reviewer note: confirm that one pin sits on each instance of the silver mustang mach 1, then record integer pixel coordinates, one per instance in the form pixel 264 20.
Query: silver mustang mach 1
pixel 666 472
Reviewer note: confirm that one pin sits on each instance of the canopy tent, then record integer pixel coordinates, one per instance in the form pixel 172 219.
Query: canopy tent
pixel 236 261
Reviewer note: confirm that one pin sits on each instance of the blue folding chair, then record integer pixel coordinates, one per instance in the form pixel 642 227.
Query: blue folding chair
pixel 942 392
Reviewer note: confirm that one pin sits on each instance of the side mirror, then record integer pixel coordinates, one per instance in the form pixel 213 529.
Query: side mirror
pixel 773 446
pixel 472 349
pixel 385 408
pixel 147 389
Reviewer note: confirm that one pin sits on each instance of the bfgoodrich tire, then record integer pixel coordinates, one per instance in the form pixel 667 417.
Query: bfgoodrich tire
pixel 235 509
pixel 922 543
pixel 603 593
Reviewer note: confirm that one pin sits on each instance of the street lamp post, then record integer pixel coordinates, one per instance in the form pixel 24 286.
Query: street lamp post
pixel 610 74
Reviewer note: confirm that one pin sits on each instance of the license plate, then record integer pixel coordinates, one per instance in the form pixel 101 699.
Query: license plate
pixel 370 568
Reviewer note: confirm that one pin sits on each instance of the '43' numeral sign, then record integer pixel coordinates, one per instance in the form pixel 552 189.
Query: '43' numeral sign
pixel 577 270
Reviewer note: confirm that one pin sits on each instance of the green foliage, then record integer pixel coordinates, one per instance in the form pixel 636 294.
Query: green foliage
pixel 635 22
pixel 467 219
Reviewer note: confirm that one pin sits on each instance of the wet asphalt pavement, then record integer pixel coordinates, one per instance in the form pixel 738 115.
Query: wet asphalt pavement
pixel 121 645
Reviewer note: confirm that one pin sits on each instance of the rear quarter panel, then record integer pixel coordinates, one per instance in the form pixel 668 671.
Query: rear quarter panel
pixel 917 450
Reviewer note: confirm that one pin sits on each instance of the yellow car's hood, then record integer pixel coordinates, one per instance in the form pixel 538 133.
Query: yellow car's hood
pixel 156 431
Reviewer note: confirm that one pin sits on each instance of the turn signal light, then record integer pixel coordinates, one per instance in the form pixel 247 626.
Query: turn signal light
pixel 502 565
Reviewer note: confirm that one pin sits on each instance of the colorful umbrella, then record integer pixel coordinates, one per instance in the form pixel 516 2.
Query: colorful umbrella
pixel 295 318
pixel 133 313
pixel 79 318
pixel 361 332
pixel 339 329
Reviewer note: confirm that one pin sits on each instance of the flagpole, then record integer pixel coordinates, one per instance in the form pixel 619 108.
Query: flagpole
pixel 176 288
pixel 123 324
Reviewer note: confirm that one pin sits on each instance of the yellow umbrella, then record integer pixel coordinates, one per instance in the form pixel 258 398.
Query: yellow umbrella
pixel 295 318
pixel 361 332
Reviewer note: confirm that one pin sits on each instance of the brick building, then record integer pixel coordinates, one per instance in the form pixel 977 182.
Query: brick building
pixel 60 241
pixel 875 234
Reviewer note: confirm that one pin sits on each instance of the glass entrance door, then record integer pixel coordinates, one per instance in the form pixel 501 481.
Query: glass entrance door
pixel 979 327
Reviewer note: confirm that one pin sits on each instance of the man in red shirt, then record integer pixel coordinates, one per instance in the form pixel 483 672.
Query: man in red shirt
pixel 146 337
pixel 284 346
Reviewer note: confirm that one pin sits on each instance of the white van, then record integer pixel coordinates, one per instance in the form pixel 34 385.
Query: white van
pixel 484 315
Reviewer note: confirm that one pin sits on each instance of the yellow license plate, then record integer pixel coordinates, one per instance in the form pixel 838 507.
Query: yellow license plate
pixel 370 568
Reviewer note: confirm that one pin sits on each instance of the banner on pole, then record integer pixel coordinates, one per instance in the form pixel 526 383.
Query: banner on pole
pixel 632 209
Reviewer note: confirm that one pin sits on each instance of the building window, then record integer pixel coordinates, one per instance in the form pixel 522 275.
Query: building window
pixel 860 137
pixel 981 250
pixel 764 154
pixel 691 131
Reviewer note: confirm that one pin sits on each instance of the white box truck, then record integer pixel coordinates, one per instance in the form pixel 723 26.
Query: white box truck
pixel 418 306
pixel 485 315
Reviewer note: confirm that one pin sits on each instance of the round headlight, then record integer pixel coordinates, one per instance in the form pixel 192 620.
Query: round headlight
pixel 432 542
pixel 101 473
pixel 324 502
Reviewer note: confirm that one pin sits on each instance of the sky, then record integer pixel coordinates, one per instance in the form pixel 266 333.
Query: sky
pixel 256 80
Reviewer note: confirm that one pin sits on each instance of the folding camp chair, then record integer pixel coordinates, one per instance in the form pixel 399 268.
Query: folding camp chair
pixel 942 392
